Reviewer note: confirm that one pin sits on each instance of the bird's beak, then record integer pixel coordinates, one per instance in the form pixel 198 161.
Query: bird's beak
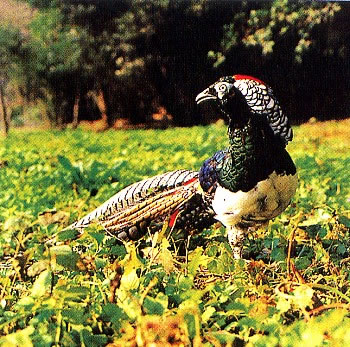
pixel 205 95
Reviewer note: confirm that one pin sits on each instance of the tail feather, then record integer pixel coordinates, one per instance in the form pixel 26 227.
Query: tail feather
pixel 149 198
pixel 155 207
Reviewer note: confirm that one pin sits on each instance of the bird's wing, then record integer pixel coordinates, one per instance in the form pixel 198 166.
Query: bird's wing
pixel 146 200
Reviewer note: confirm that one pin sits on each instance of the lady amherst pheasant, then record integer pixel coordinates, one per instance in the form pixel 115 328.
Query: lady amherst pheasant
pixel 242 186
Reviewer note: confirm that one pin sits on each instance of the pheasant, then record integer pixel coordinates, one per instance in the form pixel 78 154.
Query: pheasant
pixel 242 186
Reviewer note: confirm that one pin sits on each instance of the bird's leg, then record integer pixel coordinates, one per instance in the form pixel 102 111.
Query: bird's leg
pixel 235 235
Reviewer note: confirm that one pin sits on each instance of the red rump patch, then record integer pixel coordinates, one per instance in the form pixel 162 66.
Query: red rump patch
pixel 174 215
pixel 173 218
pixel 246 77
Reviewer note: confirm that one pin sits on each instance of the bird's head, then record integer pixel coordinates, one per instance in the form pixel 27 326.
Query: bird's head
pixel 222 92
pixel 240 97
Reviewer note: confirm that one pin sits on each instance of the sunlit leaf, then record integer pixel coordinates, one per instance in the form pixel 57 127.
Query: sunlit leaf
pixel 42 284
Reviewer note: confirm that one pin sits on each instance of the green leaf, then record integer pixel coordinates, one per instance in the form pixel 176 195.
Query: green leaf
pixel 19 338
pixel 278 254
pixel 152 306
pixel 75 171
pixel 67 235
pixel 65 256
pixel 42 284
pixel 74 315
pixel 248 322
pixel 65 162
pixel 112 313
pixel 344 220
pixel 341 249
pixel 190 320
pixel 185 283
pixel 209 311
pixel 197 258
pixel 223 338
pixel 38 267
pixel 98 236
pixel 27 302
pixel 118 250
pixel 91 339
pixel 302 263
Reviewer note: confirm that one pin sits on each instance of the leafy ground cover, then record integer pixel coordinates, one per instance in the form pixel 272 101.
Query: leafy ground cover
pixel 295 290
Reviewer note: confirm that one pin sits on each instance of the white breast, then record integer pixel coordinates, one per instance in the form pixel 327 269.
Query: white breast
pixel 265 201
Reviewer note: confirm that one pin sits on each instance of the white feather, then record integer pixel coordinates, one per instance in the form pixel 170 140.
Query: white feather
pixel 265 201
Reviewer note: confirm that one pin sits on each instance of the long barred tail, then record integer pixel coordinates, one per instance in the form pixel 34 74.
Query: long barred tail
pixel 147 200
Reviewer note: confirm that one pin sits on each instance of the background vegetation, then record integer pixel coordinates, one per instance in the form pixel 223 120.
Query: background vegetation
pixel 144 61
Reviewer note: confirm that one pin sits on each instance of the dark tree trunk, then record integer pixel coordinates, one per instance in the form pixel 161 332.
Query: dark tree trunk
pixel 76 110
pixel 100 101
pixel 3 111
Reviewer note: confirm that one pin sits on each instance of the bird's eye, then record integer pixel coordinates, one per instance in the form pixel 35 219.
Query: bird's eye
pixel 222 87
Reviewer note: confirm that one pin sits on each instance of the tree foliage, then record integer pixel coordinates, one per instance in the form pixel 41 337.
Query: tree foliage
pixel 55 61
pixel 11 52
pixel 143 55
pixel 281 20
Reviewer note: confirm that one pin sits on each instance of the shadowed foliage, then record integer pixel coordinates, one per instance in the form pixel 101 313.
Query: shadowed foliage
pixel 146 60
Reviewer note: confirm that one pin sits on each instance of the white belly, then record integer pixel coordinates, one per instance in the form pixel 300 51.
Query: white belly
pixel 265 201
